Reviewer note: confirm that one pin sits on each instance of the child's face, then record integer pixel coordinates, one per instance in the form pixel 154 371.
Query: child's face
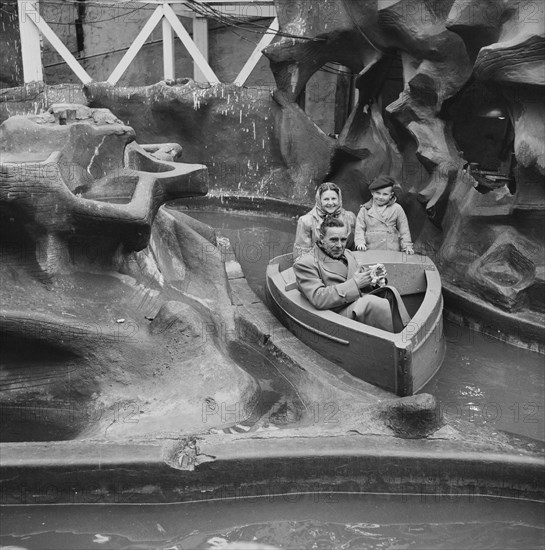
pixel 382 196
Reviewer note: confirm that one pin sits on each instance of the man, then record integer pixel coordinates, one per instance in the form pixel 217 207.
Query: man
pixel 330 278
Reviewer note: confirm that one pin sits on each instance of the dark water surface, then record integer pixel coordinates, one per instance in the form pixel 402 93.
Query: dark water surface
pixel 482 380
pixel 332 521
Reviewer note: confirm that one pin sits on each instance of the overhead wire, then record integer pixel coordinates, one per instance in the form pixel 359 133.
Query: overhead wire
pixel 83 4
pixel 208 11
pixel 87 22
pixel 199 8
pixel 102 54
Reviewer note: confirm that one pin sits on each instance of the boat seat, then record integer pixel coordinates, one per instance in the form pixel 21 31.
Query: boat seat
pixel 289 279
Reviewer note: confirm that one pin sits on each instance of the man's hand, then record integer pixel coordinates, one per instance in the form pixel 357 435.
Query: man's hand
pixel 362 247
pixel 409 250
pixel 362 277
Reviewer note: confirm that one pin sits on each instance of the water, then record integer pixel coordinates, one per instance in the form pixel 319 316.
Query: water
pixel 482 380
pixel 332 521
pixel 255 240
pixel 488 382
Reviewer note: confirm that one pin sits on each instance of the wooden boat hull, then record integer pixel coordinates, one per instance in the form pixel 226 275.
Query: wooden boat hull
pixel 400 363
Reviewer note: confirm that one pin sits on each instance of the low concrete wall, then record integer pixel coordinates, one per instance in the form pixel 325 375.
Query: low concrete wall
pixel 87 472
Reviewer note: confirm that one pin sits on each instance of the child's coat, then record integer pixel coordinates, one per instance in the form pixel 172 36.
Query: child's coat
pixel 386 230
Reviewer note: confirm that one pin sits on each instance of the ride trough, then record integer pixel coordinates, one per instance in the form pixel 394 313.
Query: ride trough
pixel 402 362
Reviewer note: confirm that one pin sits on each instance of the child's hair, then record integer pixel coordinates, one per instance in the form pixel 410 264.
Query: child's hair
pixel 330 221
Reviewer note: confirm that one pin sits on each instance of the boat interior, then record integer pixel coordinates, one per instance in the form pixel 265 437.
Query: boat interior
pixel 409 277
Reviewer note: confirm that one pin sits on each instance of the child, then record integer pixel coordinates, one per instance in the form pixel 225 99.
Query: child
pixel 381 223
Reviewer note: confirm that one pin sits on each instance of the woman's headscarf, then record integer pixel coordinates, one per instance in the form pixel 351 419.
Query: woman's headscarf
pixel 320 213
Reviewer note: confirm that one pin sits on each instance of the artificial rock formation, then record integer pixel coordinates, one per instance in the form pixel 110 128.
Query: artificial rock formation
pixel 74 175
pixel 413 417
pixel 491 245
pixel 111 306
pixel 453 59
pixel 252 150
pixel 366 38
pixel 450 59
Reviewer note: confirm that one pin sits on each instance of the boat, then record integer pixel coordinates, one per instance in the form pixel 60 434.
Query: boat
pixel 401 363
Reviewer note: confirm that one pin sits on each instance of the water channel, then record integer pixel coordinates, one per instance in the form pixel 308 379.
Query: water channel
pixel 482 380
pixel 331 521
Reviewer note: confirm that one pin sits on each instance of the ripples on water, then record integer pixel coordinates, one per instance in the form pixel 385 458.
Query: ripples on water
pixel 488 382
pixel 332 522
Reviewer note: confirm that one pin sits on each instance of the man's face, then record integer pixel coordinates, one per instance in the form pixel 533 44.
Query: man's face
pixel 334 241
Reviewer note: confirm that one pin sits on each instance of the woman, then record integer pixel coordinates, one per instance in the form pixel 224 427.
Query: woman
pixel 328 204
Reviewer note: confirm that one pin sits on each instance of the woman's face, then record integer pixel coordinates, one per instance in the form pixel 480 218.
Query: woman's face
pixel 329 201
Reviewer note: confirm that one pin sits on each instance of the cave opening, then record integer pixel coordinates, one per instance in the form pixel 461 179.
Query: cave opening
pixel 328 97
pixel 484 133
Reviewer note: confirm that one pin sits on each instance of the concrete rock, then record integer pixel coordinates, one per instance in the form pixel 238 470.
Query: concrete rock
pixel 413 417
